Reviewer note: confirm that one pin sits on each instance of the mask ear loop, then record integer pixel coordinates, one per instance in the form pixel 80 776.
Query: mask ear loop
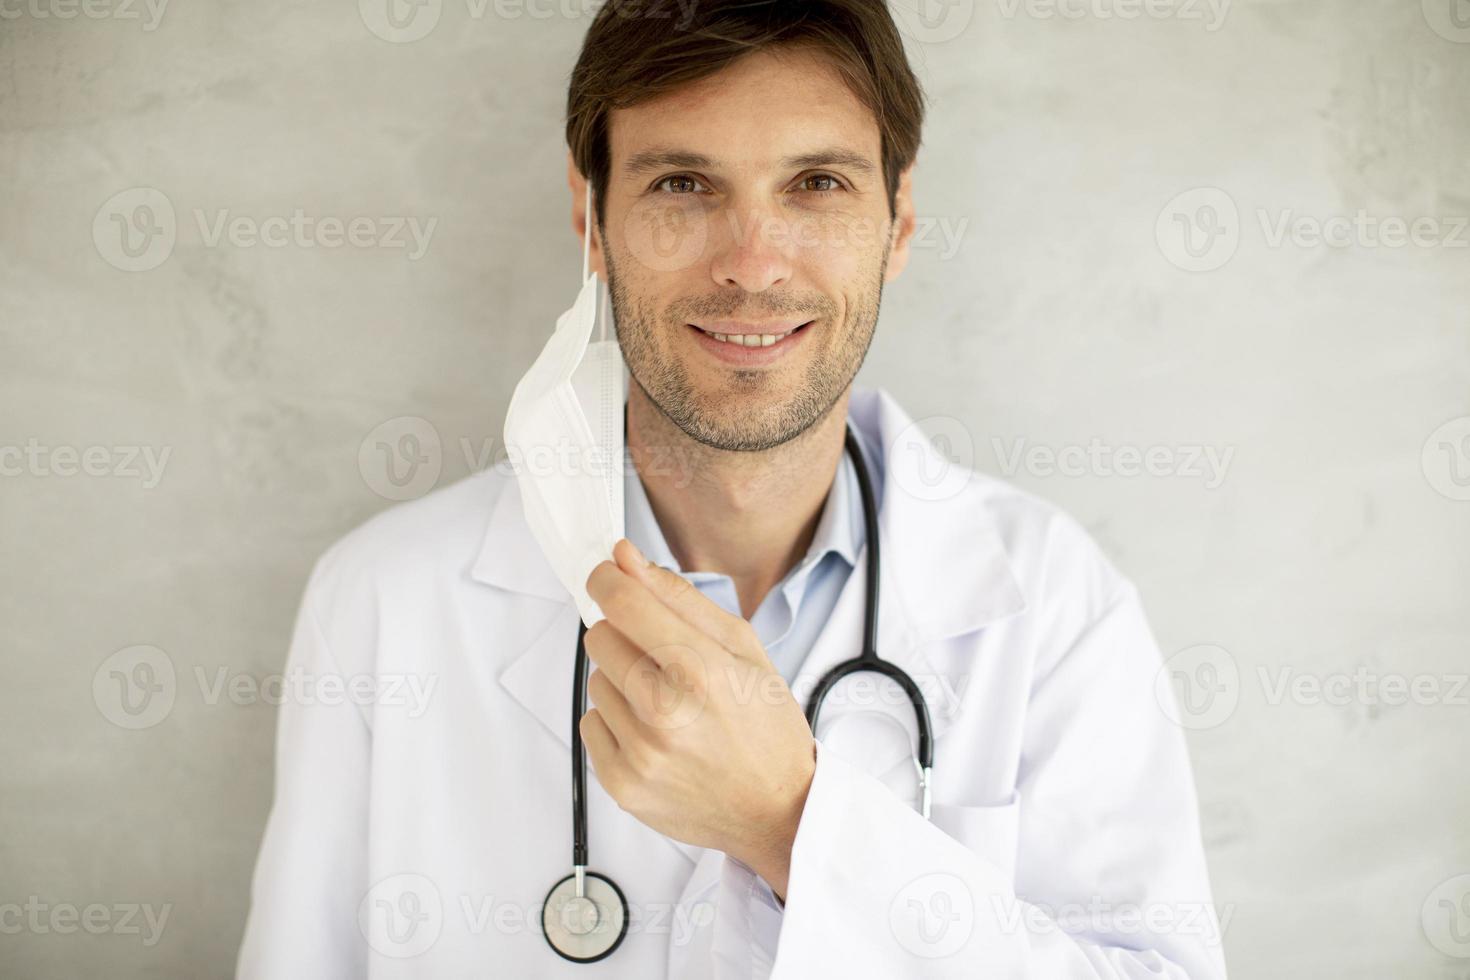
pixel 606 314
pixel 587 234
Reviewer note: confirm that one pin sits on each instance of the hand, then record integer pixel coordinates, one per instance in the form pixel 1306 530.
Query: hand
pixel 694 732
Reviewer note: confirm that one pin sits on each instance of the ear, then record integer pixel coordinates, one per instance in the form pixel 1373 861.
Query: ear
pixel 904 223
pixel 580 217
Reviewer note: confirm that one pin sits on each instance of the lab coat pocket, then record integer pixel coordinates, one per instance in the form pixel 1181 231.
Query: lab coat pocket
pixel 989 831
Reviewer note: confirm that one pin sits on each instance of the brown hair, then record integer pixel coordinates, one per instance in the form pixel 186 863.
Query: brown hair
pixel 635 51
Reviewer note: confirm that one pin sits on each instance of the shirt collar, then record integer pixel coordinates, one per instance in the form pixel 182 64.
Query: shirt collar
pixel 840 529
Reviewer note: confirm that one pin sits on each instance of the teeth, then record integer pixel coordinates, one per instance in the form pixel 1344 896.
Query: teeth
pixel 750 339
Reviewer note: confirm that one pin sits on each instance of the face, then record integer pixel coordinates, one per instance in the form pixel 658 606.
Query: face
pixel 747 239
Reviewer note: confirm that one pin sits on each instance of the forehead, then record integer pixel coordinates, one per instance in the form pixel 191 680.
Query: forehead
pixel 766 107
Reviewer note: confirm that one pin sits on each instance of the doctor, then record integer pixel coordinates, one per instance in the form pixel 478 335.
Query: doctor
pixel 757 186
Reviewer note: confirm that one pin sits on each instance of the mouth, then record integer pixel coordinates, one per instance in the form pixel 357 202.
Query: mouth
pixel 750 349
pixel 751 339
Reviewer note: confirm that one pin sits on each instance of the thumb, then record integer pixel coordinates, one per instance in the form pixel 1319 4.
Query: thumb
pixel 679 594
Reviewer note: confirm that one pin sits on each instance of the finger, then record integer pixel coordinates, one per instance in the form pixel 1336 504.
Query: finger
pixel 679 594
pixel 620 716
pixel 643 619
pixel 611 651
pixel 602 748
pixel 660 696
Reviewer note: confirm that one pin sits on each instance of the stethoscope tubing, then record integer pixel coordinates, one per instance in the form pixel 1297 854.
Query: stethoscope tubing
pixel 867 660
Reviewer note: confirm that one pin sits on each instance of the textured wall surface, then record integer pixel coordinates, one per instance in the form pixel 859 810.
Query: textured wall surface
pixel 1197 271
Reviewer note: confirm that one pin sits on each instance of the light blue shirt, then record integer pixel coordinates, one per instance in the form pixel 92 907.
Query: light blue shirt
pixel 792 615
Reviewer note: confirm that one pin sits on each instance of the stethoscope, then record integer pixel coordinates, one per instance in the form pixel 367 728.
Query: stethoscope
pixel 585 916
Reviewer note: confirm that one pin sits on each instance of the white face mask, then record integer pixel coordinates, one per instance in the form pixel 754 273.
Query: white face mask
pixel 564 433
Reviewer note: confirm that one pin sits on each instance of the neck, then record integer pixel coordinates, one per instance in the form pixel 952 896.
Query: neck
pixel 748 515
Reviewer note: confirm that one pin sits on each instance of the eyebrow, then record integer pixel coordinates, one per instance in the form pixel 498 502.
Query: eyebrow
pixel 661 158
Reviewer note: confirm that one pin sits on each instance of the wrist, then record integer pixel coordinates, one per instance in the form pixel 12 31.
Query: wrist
pixel 769 853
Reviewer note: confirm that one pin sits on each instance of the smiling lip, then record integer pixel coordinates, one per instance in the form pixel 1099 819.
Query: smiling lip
pixel 741 328
pixel 739 346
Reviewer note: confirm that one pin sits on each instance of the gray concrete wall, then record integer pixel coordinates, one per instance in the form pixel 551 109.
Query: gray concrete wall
pixel 1118 255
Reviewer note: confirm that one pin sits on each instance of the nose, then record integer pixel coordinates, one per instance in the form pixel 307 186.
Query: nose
pixel 753 249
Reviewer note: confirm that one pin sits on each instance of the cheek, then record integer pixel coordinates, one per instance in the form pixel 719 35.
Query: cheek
pixel 838 248
pixel 840 259
pixel 839 233
pixel 660 236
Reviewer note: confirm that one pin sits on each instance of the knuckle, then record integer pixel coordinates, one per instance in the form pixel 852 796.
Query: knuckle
pixel 680 587
pixel 688 675
pixel 693 681
pixel 642 757
pixel 655 742
pixel 645 672
pixel 627 795
pixel 636 695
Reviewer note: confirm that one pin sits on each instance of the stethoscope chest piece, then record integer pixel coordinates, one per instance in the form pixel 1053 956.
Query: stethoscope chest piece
pixel 584 928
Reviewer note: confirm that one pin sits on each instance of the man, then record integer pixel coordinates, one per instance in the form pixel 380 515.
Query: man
pixel 752 172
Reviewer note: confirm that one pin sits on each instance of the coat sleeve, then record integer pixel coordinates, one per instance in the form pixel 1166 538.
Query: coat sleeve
pixel 310 875
pixel 1110 879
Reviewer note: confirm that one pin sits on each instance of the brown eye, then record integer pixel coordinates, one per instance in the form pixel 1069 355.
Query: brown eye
pixel 685 180
pixel 826 184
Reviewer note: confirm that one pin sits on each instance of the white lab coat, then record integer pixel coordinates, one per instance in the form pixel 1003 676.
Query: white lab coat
pixel 413 841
